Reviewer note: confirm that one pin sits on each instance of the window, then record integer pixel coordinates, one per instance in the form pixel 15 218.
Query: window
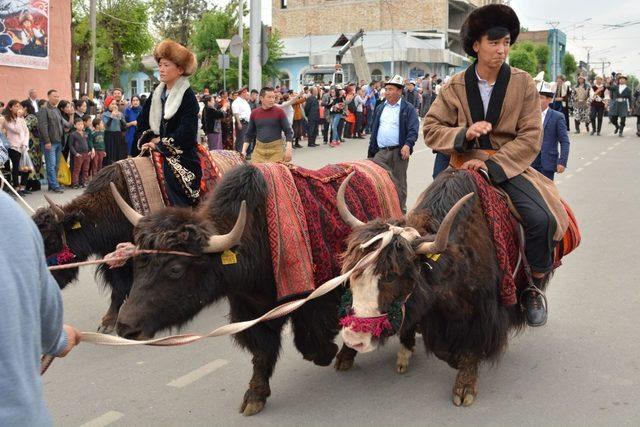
pixel 376 75
pixel 134 87
pixel 283 4
pixel 285 80
pixel 147 86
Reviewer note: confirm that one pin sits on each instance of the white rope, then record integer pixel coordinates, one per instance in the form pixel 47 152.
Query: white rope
pixel 13 190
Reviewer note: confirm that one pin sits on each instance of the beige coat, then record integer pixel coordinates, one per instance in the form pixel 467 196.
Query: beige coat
pixel 516 136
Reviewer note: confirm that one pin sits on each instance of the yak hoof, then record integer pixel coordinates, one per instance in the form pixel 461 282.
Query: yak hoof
pixel 343 365
pixel 106 329
pixel 464 396
pixel 252 408
pixel 402 361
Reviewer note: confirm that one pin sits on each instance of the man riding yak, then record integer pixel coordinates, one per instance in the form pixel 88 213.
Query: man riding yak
pixel 488 119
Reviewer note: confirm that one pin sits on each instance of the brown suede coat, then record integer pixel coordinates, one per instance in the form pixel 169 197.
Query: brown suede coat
pixel 516 133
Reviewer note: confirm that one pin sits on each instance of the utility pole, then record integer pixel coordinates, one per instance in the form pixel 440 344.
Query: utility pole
pixel 92 61
pixel 255 45
pixel 241 34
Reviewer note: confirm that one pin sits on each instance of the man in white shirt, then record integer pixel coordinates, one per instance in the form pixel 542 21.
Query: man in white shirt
pixel 393 134
pixel 31 103
pixel 242 112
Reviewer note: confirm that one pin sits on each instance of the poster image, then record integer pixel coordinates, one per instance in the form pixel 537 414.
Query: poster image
pixel 24 33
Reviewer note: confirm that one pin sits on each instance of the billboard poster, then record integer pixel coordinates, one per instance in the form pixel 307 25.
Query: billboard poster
pixel 24 33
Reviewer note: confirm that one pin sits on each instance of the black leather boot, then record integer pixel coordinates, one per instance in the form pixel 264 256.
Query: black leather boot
pixel 534 305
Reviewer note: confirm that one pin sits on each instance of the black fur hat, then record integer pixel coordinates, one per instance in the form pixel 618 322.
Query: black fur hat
pixel 484 18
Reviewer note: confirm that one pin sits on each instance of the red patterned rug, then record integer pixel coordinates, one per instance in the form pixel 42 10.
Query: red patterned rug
pixel 503 228
pixel 306 234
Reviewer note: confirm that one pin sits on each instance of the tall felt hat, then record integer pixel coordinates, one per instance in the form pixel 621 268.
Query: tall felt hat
pixel 546 89
pixel 176 53
pixel 397 81
pixel 483 19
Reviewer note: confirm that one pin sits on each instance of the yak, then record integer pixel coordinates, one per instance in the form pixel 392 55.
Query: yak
pixel 169 290
pixel 446 287
pixel 90 225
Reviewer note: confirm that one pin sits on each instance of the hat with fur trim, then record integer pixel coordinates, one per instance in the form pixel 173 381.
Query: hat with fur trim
pixel 176 53
pixel 486 18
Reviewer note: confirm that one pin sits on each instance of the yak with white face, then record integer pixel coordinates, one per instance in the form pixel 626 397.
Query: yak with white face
pixel 435 271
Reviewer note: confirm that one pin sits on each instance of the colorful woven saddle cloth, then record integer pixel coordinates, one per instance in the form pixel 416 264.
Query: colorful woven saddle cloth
pixel 145 178
pixel 306 233
pixel 503 227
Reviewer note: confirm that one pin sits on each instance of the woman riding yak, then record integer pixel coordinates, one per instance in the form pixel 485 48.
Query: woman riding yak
pixel 168 123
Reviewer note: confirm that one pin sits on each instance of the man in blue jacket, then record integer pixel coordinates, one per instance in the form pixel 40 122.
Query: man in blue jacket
pixel 554 132
pixel 394 132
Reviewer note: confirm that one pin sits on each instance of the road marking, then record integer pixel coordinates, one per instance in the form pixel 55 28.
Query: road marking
pixel 587 164
pixel 198 373
pixel 569 176
pixel 579 170
pixel 104 420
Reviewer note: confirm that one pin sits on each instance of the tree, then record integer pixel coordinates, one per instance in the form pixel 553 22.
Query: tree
pixel 569 66
pixel 175 19
pixel 220 23
pixel 632 82
pixel 124 34
pixel 542 53
pixel 521 58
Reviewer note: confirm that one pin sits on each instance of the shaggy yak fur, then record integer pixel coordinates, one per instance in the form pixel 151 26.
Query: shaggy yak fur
pixel 453 301
pixel 102 227
pixel 170 290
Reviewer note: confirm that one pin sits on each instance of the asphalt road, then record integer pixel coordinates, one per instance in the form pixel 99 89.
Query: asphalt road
pixel 582 368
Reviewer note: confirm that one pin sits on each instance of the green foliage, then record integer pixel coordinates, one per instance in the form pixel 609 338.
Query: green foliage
pixel 569 67
pixel 523 60
pixel 632 82
pixel 174 19
pixel 124 34
pixel 529 57
pixel 220 23
pixel 543 53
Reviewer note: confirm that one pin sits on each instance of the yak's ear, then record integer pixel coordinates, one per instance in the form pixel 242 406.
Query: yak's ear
pixel 72 220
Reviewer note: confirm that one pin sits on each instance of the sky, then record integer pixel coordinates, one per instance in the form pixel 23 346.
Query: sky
pixel 583 21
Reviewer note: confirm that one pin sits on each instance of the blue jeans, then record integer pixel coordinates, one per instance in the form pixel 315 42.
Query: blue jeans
pixel 335 121
pixel 367 127
pixel 440 164
pixel 52 162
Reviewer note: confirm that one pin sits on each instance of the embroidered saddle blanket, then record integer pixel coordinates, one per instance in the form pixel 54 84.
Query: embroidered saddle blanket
pixel 306 233
pixel 145 178
pixel 503 227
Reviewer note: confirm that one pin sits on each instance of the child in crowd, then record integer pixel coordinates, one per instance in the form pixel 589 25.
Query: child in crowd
pixel 80 153
pixel 96 141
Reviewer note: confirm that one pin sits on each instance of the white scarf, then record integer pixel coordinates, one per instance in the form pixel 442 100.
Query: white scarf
pixel 173 102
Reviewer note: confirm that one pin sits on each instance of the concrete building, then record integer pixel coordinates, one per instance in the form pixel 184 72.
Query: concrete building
pixel 404 37
pixel 557 42
pixel 408 53
pixel 47 69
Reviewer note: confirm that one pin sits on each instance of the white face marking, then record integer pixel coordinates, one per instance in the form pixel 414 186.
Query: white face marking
pixel 365 293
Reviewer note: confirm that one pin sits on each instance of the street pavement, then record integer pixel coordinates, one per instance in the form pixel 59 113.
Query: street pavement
pixel 582 368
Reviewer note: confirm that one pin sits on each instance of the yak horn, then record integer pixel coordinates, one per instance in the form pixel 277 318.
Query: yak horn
pixel 439 245
pixel 58 213
pixel 345 214
pixel 132 215
pixel 220 243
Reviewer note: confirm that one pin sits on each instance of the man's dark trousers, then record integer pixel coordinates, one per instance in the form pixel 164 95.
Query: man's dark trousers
pixel 313 131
